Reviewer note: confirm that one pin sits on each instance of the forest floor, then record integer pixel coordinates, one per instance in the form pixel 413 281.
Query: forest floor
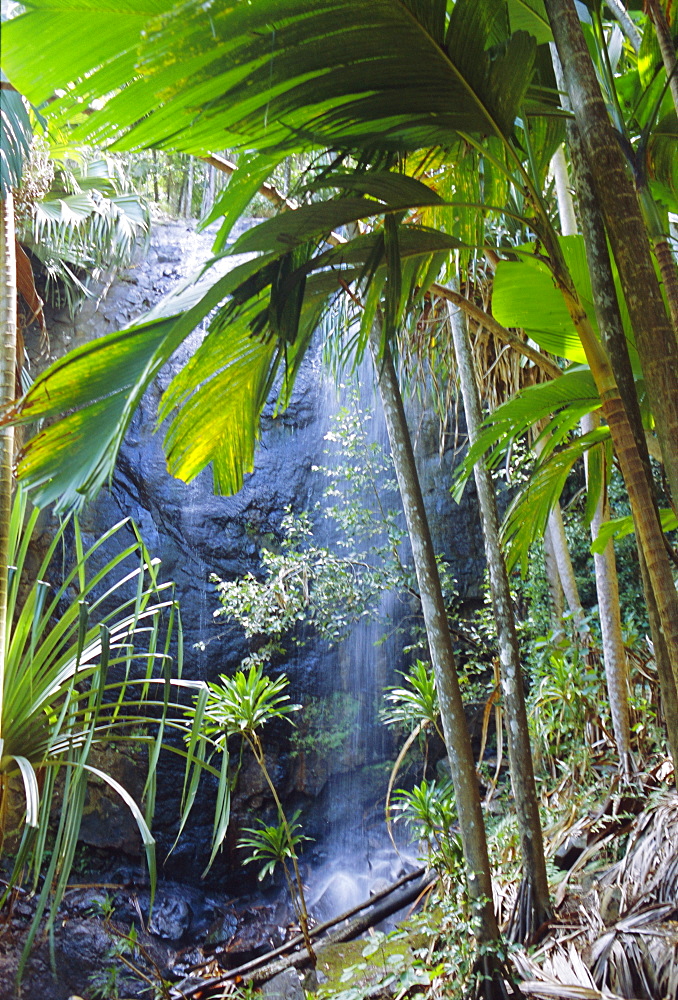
pixel 614 935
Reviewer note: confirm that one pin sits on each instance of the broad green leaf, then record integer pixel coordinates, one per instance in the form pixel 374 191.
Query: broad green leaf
pixel 253 170
pixel 221 392
pixel 103 382
pixel 530 15
pixel 525 296
pixel 562 402
pixel 620 527
pixel 392 188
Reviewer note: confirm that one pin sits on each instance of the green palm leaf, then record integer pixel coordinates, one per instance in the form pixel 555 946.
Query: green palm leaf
pixel 562 402
pixel 15 138
pixel 275 73
pixel 527 515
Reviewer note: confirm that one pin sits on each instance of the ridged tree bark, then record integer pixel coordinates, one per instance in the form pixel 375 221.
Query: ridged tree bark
pixel 655 339
pixel 7 393
pixel 533 907
pixel 455 729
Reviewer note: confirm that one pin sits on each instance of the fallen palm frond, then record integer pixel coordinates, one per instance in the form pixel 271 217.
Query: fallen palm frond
pixel 650 868
pixel 618 940
pixel 562 974
pixel 638 955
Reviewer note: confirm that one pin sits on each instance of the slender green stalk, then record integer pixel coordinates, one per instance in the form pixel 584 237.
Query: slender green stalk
pixel 260 757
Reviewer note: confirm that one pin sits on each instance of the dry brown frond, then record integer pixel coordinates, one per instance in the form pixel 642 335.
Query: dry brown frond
pixel 615 940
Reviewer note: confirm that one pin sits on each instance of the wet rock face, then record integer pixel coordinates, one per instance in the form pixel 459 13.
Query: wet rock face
pixel 195 533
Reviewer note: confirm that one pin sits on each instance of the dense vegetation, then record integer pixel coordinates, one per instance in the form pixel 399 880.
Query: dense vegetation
pixel 478 194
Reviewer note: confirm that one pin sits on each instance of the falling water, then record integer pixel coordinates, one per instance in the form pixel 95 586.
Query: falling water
pixel 360 858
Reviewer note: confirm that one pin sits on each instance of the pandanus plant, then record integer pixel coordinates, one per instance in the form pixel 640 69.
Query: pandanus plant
pixel 89 662
pixel 241 706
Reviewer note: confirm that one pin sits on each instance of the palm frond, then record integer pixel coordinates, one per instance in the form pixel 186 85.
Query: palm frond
pixel 15 138
pixel 282 73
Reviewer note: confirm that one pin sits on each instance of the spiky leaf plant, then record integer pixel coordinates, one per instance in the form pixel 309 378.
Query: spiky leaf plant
pixel 89 661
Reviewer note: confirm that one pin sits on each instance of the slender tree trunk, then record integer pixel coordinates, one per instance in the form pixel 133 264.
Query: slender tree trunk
pixel 568 582
pixel 455 729
pixel 614 340
pixel 208 189
pixel 556 528
pixel 655 339
pixel 654 335
pixel 188 208
pixel 605 566
pixel 668 50
pixel 618 10
pixel 553 577
pixel 7 394
pixel 156 193
pixel 568 219
pixel 535 906
pixel 614 654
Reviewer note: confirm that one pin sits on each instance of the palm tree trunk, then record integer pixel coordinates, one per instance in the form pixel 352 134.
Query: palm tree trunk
pixel 618 10
pixel 553 578
pixel 614 340
pixel 655 339
pixel 534 907
pixel 556 528
pixel 7 394
pixel 568 582
pixel 455 729
pixel 605 566
pixel 657 346
pixel 666 46
pixel 614 654
pixel 188 209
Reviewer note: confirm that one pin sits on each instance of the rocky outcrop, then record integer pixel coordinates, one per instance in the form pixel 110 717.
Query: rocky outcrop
pixel 195 533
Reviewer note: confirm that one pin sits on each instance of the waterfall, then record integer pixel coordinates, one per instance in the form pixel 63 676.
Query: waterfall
pixel 195 534
pixel 359 857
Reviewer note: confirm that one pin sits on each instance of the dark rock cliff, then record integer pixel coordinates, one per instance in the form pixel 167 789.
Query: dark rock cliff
pixel 195 533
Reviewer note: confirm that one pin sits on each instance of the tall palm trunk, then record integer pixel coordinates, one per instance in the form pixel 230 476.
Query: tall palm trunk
pixel 657 346
pixel 455 729
pixel 668 50
pixel 614 653
pixel 614 339
pixel 534 906
pixel 7 393
pixel 655 338
pixel 553 580
pixel 605 565
pixel 557 543
pixel 555 529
